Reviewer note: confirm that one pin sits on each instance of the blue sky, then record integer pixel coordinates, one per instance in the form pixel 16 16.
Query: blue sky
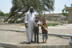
pixel 5 5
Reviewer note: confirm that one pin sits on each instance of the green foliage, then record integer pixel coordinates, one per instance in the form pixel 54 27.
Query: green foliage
pixel 1 13
pixel 64 11
pixel 39 5
pixel 24 5
pixel 52 24
pixel 65 14
pixel 7 14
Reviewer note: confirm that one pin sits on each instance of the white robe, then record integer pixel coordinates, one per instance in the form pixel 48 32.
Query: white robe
pixel 29 18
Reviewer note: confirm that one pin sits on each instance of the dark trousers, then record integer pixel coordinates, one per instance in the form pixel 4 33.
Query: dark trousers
pixel 36 34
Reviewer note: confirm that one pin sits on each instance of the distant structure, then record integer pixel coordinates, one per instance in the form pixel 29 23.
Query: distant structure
pixel 55 17
pixel 69 9
pixel 71 5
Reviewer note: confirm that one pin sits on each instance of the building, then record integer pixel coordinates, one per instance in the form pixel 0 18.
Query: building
pixel 55 17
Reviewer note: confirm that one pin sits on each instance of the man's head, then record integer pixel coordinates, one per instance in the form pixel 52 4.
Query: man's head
pixel 31 9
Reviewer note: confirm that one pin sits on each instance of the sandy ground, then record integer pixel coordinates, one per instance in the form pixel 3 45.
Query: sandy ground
pixel 17 38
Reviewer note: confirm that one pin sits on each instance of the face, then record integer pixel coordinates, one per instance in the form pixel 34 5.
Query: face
pixel 31 10
pixel 37 19
pixel 43 21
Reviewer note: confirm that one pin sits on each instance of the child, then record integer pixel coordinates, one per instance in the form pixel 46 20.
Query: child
pixel 36 30
pixel 44 28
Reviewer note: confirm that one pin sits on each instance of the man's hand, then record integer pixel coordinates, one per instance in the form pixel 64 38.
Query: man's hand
pixel 26 25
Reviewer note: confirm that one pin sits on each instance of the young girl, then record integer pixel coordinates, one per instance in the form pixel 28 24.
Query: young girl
pixel 44 28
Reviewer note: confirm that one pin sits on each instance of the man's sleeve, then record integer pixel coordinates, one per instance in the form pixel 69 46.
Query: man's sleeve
pixel 26 18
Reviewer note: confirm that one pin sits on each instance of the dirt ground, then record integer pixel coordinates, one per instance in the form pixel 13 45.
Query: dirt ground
pixel 15 34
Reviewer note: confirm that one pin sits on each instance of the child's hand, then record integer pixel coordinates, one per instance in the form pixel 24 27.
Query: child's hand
pixel 26 25
pixel 39 23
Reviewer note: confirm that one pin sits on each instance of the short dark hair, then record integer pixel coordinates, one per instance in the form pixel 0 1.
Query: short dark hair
pixel 37 17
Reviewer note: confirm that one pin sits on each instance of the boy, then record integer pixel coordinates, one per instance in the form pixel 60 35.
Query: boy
pixel 36 30
pixel 44 28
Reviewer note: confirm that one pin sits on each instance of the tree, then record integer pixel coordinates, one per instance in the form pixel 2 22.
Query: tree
pixel 65 13
pixel 6 14
pixel 1 13
pixel 23 6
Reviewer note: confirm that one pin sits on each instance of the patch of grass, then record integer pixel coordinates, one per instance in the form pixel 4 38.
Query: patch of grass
pixel 52 24
pixel 49 24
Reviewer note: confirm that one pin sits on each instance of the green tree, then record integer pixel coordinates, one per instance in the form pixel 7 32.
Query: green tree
pixel 65 13
pixel 6 14
pixel 23 6
pixel 1 13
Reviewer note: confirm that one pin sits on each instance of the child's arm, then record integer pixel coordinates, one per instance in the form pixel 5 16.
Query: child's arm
pixel 45 27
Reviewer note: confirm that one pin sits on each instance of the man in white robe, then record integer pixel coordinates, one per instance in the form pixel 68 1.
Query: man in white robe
pixel 29 19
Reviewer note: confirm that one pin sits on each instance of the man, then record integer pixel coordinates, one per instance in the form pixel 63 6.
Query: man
pixel 29 20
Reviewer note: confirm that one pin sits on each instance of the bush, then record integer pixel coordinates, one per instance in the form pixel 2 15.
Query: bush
pixel 52 24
